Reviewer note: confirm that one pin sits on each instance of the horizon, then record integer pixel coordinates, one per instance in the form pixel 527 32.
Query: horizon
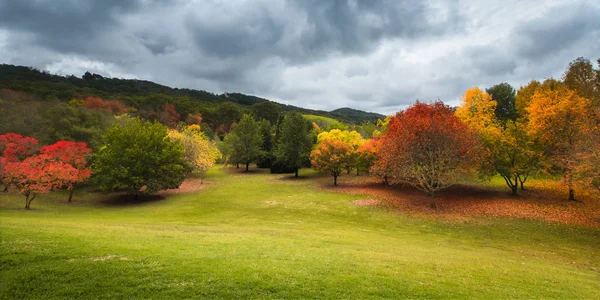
pixel 376 57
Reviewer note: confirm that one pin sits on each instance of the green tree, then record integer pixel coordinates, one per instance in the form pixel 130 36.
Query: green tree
pixel 295 141
pixel 266 130
pixel 244 142
pixel 504 95
pixel 267 110
pixel 140 158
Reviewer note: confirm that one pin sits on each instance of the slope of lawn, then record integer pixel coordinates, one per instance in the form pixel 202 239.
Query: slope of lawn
pixel 259 235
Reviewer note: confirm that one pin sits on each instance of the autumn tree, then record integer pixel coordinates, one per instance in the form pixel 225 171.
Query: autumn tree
pixel 332 156
pixel 245 141
pixel 523 99
pixel 504 95
pixel 200 153
pixel 558 117
pixel 509 150
pixel 169 115
pixel 352 138
pixel 139 158
pixel 14 148
pixel 295 141
pixel 38 174
pixel 73 154
pixel 367 154
pixel 428 147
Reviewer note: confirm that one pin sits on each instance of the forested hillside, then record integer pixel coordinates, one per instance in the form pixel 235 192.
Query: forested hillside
pixel 146 95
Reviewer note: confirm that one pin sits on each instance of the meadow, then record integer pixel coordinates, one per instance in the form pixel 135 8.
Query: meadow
pixel 258 235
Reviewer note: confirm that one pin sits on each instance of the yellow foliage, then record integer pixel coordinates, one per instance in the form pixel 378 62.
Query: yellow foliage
pixel 199 152
pixel 478 112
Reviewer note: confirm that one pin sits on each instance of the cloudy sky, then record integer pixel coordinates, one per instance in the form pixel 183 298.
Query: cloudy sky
pixel 372 55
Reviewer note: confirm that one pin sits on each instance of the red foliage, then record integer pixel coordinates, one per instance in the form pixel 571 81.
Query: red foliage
pixel 194 119
pixel 428 147
pixel 15 147
pixel 97 103
pixel 38 174
pixel 72 154
pixel 169 115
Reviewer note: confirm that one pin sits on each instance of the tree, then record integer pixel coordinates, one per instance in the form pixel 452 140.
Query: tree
pixel 73 154
pixel 508 150
pixel 14 148
pixel 38 174
pixel 295 141
pixel 228 113
pixel 331 156
pixel 198 151
pixel 523 98
pixel 504 95
pixel 558 117
pixel 367 154
pixel 266 130
pixel 139 158
pixel 267 110
pixel 352 138
pixel 245 141
pixel 169 115
pixel 581 77
pixel 428 147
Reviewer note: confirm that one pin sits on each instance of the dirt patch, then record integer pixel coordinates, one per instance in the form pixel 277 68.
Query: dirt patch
pixel 108 257
pixel 189 185
pixel 366 202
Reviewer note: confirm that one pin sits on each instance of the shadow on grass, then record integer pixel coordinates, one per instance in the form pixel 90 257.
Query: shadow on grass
pixel 130 200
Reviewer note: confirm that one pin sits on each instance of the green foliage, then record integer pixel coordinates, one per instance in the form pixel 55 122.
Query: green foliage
pixel 295 142
pixel 244 142
pixel 139 158
pixel 326 123
pixel 504 95
pixel 267 110
pixel 266 157
pixel 356 116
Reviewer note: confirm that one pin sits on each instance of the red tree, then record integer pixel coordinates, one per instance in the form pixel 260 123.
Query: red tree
pixel 38 174
pixel 169 115
pixel 14 148
pixel 73 154
pixel 428 147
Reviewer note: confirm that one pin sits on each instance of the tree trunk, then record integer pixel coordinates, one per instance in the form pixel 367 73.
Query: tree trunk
pixel 5 189
pixel 247 164
pixel 385 180
pixel 357 172
pixel 335 179
pixel 570 185
pixel 237 165
pixel 28 200
pixel 296 172
pixel 432 196
pixel 523 182
pixel 348 173
pixel 514 189
pixel 571 194
pixel 70 196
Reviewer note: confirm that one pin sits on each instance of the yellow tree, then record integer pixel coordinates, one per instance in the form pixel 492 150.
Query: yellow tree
pixel 331 156
pixel 352 138
pixel 508 148
pixel 523 98
pixel 558 120
pixel 199 152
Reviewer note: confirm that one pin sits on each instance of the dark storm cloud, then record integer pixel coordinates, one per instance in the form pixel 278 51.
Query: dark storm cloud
pixel 372 55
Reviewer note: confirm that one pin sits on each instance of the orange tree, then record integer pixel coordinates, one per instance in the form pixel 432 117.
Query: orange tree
pixel 331 156
pixel 428 147
pixel 559 119
pixel 14 148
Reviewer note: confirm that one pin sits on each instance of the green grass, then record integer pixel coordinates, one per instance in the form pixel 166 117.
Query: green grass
pixel 257 236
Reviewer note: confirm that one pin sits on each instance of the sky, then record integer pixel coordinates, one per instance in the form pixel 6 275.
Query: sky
pixel 378 56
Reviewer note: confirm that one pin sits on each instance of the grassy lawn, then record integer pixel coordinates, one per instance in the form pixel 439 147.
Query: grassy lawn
pixel 259 235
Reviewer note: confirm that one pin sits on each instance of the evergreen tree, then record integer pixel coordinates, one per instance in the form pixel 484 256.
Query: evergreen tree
pixel 295 141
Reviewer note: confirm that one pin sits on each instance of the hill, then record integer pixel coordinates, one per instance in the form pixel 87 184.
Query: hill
pixel 355 114
pixel 143 93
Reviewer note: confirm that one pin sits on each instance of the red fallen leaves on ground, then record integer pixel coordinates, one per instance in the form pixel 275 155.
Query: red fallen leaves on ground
pixel 544 200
